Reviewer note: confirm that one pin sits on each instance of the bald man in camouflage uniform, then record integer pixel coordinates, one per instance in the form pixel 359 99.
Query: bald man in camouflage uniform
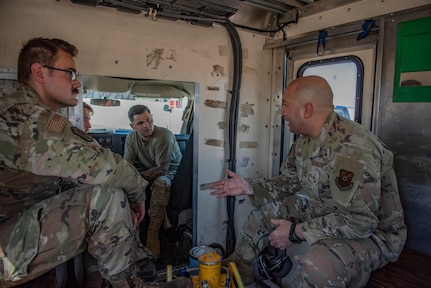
pixel 40 227
pixel 337 191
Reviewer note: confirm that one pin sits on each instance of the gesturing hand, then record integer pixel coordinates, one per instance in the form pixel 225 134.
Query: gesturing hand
pixel 233 186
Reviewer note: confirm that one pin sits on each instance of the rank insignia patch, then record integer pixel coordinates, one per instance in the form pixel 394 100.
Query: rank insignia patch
pixel 344 180
pixel 81 134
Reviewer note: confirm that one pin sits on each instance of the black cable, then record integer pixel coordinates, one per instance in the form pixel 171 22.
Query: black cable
pixel 232 129
pixel 256 249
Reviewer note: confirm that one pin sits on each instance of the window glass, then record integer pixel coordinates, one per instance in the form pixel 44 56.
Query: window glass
pixel 344 75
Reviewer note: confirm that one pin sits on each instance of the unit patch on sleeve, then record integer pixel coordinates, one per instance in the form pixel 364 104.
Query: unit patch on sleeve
pixel 81 134
pixel 345 178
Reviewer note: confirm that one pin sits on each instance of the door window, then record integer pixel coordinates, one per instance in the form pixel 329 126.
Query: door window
pixel 345 76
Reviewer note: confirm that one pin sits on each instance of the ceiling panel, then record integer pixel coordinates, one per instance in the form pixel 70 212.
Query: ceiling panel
pixel 259 15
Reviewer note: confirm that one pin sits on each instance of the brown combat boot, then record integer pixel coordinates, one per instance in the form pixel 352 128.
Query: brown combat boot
pixel 153 241
pixel 244 268
pixel 136 282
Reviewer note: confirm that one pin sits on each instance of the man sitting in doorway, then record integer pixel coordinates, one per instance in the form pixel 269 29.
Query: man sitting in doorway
pixel 158 152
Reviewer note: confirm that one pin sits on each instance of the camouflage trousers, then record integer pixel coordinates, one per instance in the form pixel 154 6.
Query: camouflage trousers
pixel 327 263
pixel 160 193
pixel 92 218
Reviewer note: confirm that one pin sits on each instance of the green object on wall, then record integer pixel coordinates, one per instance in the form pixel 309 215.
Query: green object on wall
pixel 413 61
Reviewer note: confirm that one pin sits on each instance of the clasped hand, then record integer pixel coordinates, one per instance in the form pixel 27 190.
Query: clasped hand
pixel 279 238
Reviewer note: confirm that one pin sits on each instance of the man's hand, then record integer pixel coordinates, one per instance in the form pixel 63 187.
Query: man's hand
pixel 279 238
pixel 233 186
pixel 157 171
pixel 138 213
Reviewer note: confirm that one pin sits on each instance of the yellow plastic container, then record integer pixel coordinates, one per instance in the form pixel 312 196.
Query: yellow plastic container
pixel 209 269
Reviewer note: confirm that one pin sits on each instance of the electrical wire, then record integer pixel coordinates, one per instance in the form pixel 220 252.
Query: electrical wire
pixel 232 129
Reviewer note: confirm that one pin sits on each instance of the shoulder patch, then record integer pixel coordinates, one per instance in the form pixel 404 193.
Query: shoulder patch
pixel 56 123
pixel 81 134
pixel 346 175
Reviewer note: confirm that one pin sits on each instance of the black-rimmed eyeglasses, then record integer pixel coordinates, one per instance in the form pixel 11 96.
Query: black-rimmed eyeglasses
pixel 72 74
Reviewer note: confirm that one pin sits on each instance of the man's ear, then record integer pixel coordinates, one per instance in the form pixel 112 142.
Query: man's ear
pixel 308 111
pixel 36 72
pixel 131 126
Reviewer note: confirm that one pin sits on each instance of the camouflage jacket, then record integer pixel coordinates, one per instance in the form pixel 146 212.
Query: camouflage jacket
pixel 38 146
pixel 347 186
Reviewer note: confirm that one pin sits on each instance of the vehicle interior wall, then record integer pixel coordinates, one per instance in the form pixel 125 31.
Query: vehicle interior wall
pixel 404 127
pixel 117 44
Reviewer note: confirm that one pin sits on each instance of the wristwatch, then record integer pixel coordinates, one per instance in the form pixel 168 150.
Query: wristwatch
pixel 292 235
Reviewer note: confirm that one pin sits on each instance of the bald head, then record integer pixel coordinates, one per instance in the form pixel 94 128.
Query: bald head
pixel 307 103
pixel 312 89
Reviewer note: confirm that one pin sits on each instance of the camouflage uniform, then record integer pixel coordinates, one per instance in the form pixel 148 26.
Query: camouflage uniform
pixel 342 188
pixel 41 228
pixel 162 147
